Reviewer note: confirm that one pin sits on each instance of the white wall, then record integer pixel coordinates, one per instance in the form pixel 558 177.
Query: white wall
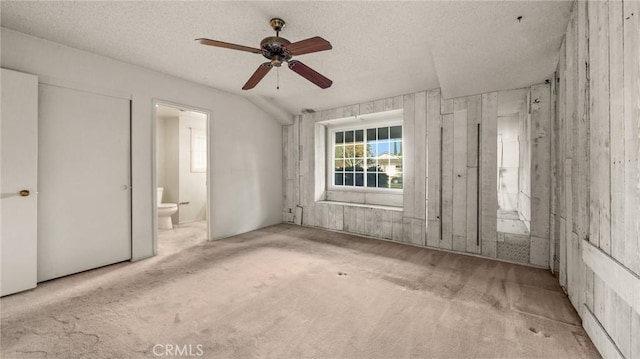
pixel 160 151
pixel 246 193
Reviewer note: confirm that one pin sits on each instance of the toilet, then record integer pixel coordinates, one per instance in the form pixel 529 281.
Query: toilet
pixel 165 211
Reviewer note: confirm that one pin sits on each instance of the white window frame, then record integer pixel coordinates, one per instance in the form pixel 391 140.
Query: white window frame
pixel 359 125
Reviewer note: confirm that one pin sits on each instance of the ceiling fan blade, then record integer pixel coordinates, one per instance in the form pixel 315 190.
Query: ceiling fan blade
pixel 310 74
pixel 257 76
pixel 310 45
pixel 227 45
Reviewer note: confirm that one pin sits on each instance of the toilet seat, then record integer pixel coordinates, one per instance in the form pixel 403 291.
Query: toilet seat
pixel 167 205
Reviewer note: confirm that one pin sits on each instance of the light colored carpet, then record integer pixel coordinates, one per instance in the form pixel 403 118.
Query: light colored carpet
pixel 294 292
pixel 181 237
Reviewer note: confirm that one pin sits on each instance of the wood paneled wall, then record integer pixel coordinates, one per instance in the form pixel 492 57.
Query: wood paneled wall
pixel 305 196
pixel 596 178
pixel 450 179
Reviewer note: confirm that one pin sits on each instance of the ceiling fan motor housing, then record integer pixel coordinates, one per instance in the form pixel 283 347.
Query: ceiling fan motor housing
pixel 273 48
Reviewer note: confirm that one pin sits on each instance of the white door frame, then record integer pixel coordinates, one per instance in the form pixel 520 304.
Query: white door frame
pixel 154 175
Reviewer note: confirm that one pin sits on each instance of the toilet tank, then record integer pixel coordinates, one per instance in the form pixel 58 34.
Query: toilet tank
pixel 160 190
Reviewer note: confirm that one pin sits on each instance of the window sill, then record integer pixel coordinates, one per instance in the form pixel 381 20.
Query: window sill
pixel 375 206
pixel 385 199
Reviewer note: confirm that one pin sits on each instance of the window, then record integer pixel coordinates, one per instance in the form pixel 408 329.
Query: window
pixel 367 157
pixel 198 150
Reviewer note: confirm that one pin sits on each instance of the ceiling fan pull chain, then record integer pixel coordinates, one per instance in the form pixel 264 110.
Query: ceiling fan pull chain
pixel 278 78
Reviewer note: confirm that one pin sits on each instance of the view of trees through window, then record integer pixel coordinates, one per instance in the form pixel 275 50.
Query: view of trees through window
pixel 370 157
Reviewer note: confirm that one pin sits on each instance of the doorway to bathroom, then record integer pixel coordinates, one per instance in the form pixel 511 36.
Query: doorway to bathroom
pixel 181 214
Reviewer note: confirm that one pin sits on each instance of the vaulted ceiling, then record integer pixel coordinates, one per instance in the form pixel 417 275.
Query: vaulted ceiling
pixel 380 48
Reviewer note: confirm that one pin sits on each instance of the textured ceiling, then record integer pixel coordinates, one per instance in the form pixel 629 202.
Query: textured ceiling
pixel 380 48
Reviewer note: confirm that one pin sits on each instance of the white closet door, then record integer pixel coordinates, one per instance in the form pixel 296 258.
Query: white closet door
pixel 84 208
pixel 19 171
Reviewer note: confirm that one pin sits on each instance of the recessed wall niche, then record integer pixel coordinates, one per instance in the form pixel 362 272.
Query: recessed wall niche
pixel 513 175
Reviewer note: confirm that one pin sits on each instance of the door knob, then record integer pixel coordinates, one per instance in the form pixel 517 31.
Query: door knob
pixel 24 193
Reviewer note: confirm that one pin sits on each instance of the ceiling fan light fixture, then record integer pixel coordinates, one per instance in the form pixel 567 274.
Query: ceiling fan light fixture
pixel 278 60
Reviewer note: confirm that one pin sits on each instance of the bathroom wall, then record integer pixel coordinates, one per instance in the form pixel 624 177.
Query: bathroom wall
pixel 171 163
pixel 173 155
pixel 160 130
pixel 192 185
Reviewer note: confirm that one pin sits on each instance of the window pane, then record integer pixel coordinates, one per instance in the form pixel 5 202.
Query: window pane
pixel 383 164
pixel 349 151
pixel 359 151
pixel 339 165
pixel 339 151
pixel 369 150
pixel 383 148
pixel 383 133
pixel 396 148
pixel 371 165
pixel 395 165
pixel 371 179
pixel 339 137
pixel 396 181
pixel 373 146
pixel 338 179
pixel 396 132
pixel 359 135
pixel 359 165
pixel 198 150
pixel 348 179
pixel 348 164
pixel 360 179
pixel 348 136
pixel 383 180
pixel 371 134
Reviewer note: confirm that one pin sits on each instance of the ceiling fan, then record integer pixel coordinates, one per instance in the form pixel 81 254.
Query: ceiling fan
pixel 278 50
